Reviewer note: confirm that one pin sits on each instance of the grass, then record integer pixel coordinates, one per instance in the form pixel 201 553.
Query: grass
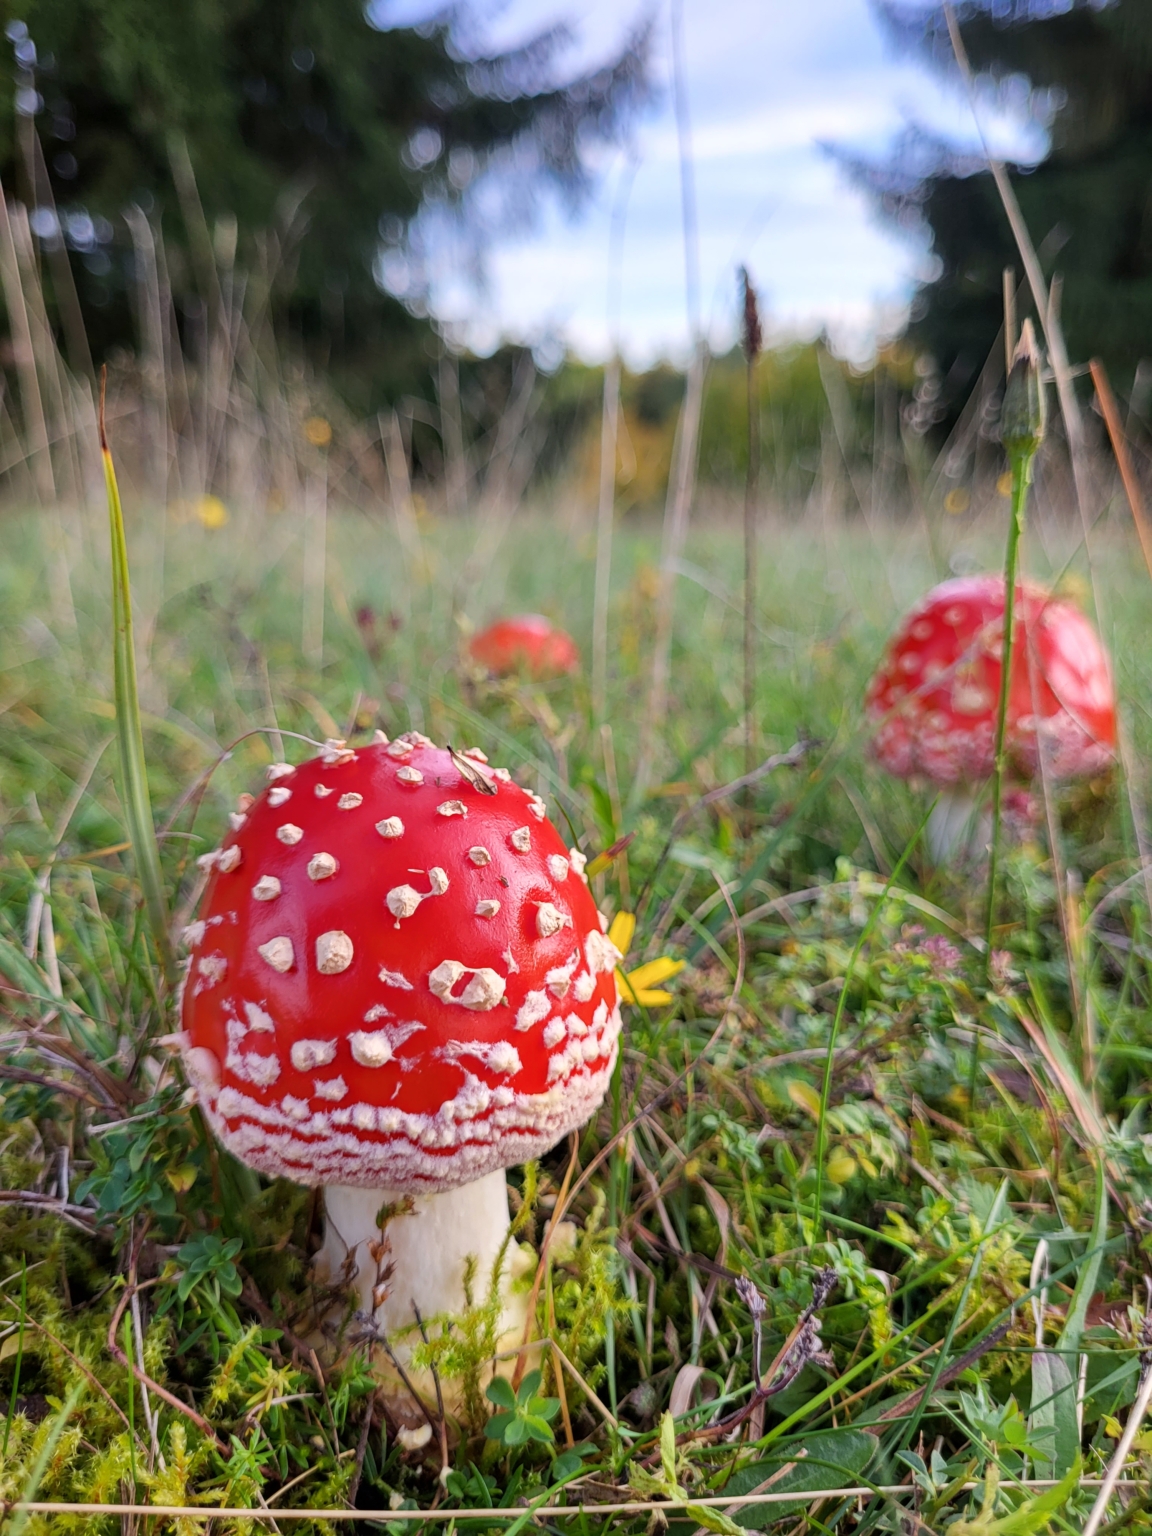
pixel 154 1295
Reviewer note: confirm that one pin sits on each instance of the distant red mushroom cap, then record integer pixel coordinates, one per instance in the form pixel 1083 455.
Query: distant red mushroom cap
pixel 934 699
pixel 527 641
pixel 397 981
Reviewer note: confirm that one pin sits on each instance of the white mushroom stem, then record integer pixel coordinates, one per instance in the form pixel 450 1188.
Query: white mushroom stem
pixel 960 825
pixel 429 1252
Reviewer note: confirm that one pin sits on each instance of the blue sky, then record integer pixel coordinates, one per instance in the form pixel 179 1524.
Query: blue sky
pixel 769 82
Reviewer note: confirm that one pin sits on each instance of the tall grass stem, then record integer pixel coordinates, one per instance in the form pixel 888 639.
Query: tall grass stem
pixel 752 343
pixel 129 733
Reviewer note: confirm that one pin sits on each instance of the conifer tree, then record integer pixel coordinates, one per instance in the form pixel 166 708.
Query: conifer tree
pixel 1088 70
pixel 319 131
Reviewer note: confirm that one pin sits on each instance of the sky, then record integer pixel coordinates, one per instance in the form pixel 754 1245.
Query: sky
pixel 770 83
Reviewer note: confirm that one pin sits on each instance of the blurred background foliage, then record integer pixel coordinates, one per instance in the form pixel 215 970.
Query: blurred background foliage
pixel 1083 71
pixel 293 141
pixel 270 164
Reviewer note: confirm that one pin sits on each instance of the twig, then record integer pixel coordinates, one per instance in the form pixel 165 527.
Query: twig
pixel 441 1425
pixel 361 1449
pixel 950 1372
pixel 145 1380
pixel 516 1512
pixel 1120 1454
pixel 76 1361
pixel 1123 458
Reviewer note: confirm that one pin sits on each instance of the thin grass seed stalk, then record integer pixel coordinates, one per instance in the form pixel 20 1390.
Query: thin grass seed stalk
pixel 1022 423
pixel 130 736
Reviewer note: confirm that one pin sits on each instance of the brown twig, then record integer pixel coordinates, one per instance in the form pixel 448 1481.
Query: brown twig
pixel 361 1449
pixel 910 1403
pixel 145 1380
pixel 76 1361
pixel 1123 458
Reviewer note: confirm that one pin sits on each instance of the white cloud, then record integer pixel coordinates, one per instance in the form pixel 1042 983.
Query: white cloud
pixel 769 82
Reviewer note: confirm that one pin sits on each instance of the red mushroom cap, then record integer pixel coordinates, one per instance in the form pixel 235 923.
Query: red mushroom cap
pixel 935 697
pixel 397 980
pixel 529 642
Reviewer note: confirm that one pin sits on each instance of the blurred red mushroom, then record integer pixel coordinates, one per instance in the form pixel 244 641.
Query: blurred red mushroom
pixel 399 985
pixel 526 643
pixel 934 699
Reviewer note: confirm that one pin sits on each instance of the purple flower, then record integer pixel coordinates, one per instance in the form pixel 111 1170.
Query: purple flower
pixel 942 954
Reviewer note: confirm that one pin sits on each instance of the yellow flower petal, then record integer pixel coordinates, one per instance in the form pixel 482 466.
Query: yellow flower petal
pixel 654 997
pixel 621 929
pixel 655 971
pixel 647 997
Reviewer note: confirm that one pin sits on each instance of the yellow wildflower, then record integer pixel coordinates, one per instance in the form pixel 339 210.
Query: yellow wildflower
pixel 642 984
pixel 211 511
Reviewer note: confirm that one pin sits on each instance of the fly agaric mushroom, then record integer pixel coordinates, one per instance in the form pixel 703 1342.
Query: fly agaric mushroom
pixel 528 642
pixel 399 985
pixel 934 700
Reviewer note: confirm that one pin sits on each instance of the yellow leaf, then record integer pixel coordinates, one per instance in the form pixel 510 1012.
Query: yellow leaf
pixel 805 1097
pixel 654 972
pixel 621 929
pixel 182 1178
pixel 11 1346
pixel 840 1166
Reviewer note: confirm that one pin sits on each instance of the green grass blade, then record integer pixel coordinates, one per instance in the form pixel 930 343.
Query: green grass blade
pixel 19 1355
pixel 129 734
pixel 834 1033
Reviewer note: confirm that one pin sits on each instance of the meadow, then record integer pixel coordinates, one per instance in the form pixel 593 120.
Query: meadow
pixel 930 1164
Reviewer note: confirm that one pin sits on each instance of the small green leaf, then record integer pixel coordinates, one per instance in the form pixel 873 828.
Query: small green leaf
pixel 528 1387
pixel 499 1391
pixel 497 1426
pixel 668 1450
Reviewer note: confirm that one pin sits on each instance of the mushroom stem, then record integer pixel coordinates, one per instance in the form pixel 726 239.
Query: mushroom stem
pixel 430 1250
pixel 959 825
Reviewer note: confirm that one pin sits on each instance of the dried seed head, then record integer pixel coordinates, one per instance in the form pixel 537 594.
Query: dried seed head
pixel 752 336
pixel 1022 416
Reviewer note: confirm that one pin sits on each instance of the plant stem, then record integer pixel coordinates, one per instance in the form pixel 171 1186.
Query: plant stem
pixel 751 487
pixel 1021 479
pixel 133 765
